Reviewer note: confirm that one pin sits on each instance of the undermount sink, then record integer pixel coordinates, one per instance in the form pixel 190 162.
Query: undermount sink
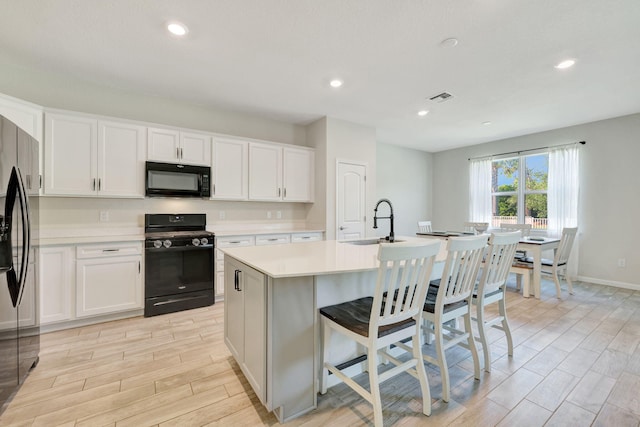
pixel 370 241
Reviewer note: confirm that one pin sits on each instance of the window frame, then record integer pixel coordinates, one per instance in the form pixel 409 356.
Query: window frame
pixel 521 192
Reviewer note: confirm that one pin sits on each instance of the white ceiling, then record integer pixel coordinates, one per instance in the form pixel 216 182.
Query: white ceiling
pixel 275 58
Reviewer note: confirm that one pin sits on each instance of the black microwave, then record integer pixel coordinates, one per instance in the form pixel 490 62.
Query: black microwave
pixel 174 180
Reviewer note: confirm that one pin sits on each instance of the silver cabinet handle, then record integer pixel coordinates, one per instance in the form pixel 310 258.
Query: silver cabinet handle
pixel 110 250
pixel 93 184
pixel 214 189
pixel 285 192
pixel 278 192
pixel 99 183
pixel 177 153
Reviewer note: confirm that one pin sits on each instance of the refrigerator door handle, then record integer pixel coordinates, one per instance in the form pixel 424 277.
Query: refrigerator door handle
pixel 16 190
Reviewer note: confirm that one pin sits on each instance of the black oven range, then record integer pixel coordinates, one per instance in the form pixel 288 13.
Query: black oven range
pixel 179 263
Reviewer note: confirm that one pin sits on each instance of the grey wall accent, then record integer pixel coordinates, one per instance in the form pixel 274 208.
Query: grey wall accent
pixel 405 176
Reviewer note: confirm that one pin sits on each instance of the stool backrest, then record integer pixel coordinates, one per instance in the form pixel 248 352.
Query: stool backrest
pixel 424 227
pixel 464 255
pixel 498 261
pixel 403 280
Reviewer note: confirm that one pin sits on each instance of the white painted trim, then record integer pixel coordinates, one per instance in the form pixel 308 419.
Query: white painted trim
pixel 615 284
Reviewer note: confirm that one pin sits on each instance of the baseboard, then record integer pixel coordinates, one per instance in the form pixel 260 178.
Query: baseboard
pixel 615 284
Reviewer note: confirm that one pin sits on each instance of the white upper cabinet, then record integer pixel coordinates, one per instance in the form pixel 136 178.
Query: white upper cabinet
pixel 89 157
pixel 230 169
pixel 121 159
pixel 174 146
pixel 24 114
pixel 280 173
pixel 265 172
pixel 298 176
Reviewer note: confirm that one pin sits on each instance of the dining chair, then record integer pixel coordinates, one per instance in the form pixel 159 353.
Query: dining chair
pixel 376 322
pixel 491 289
pixel 525 229
pixel 559 262
pixel 424 227
pixel 449 298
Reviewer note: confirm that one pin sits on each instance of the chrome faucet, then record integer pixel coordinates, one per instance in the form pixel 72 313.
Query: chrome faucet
pixel 390 237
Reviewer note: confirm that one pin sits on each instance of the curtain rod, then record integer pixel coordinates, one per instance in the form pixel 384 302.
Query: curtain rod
pixel 524 151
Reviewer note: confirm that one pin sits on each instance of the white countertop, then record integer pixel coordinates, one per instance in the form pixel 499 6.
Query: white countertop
pixel 314 258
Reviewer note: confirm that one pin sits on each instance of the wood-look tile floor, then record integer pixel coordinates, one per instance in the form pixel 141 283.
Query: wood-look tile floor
pixel 576 362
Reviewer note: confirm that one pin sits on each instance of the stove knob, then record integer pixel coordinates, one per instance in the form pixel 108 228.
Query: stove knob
pixel 195 242
pixel 204 241
pixel 166 243
pixel 157 244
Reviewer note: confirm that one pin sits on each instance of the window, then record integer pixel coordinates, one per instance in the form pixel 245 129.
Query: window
pixel 516 202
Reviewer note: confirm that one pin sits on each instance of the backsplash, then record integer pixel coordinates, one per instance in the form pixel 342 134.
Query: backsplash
pixel 98 212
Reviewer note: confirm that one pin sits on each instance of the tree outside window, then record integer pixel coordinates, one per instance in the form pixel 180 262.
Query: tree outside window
pixel 515 203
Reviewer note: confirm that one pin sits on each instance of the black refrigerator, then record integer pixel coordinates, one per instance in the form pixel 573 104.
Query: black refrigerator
pixel 19 323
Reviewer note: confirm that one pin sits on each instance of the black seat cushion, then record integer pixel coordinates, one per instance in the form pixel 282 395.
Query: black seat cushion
pixel 355 315
pixel 543 261
pixel 490 294
pixel 432 295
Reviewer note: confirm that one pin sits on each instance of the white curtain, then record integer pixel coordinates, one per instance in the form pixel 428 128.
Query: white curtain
pixel 562 196
pixel 480 190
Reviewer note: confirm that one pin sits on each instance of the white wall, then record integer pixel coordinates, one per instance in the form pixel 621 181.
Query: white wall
pixel 357 143
pixel 405 177
pixel 609 205
pixel 67 92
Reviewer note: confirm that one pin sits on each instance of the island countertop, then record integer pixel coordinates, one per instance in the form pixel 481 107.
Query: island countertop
pixel 314 258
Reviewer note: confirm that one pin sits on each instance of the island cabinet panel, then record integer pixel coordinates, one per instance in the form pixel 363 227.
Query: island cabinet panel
pixel 245 326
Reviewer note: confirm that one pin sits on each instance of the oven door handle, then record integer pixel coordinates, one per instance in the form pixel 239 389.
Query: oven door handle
pixel 236 280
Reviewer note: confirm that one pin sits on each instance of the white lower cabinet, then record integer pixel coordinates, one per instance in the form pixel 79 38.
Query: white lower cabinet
pixel 57 281
pixel 108 280
pixel 80 281
pixel 245 326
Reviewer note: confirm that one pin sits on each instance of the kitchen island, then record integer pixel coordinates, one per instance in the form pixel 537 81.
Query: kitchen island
pixel 272 296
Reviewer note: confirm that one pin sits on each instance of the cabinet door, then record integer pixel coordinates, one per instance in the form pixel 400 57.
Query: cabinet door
pixel 107 285
pixel 56 283
pixel 120 159
pixel 28 160
pixel 230 169
pixel 163 145
pixel 253 285
pixel 195 149
pixel 298 175
pixel 265 172
pixel 233 311
pixel 70 154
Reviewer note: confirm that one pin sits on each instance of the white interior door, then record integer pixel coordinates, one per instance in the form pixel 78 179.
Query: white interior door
pixel 351 200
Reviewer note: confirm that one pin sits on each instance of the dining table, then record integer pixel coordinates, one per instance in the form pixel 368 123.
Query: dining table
pixel 533 245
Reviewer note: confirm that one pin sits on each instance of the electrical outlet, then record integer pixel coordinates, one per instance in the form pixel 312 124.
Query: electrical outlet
pixel 622 262
pixel 268 214
pixel 104 216
pixel 279 214
pixel 222 215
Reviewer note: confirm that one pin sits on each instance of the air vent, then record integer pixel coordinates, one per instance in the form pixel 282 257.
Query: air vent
pixel 444 96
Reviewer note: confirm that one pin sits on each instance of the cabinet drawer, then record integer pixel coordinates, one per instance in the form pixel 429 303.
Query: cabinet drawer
pixel 272 239
pixel 108 250
pixel 306 237
pixel 232 241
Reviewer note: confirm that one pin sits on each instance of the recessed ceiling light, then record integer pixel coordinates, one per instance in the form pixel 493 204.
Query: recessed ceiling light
pixel 450 42
pixel 177 28
pixel 423 112
pixel 486 123
pixel 567 63
pixel 335 83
